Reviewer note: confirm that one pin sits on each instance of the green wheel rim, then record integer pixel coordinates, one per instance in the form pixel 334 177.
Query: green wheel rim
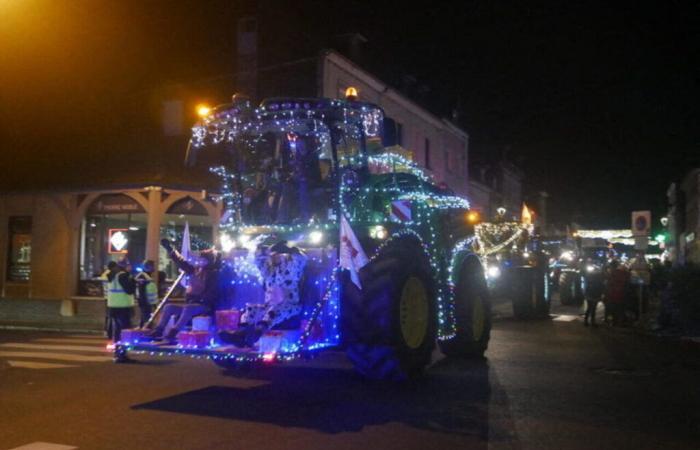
pixel 414 312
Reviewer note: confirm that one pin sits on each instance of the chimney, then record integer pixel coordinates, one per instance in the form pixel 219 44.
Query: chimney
pixel 351 44
pixel 247 57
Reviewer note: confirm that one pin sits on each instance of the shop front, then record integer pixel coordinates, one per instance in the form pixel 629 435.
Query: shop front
pixel 56 245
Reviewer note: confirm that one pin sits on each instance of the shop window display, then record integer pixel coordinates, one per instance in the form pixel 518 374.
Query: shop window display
pixel 19 249
pixel 114 226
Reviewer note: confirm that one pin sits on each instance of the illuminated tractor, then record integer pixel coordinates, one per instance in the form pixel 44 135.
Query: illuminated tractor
pixel 516 267
pixel 294 169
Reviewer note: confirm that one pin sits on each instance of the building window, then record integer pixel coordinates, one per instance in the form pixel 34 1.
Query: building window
pixel 114 227
pixel 399 134
pixel 19 251
pixel 427 154
pixel 446 160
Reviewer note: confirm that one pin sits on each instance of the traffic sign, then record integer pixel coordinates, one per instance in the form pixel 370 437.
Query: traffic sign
pixel 641 223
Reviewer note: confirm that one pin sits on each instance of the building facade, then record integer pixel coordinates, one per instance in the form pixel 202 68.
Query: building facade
pixel 437 145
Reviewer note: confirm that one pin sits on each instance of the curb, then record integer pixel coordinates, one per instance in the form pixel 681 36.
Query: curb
pixel 48 329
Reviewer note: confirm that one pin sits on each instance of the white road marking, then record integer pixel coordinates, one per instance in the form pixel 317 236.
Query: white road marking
pixel 56 356
pixel 83 336
pixel 96 341
pixel 565 318
pixel 75 348
pixel 44 446
pixel 37 365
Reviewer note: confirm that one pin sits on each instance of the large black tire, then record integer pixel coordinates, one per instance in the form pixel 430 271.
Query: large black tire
pixel 390 326
pixel 529 294
pixel 570 288
pixel 472 312
pixel 521 292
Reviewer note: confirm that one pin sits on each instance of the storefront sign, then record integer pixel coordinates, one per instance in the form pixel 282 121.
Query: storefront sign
pixel 118 241
pixel 115 204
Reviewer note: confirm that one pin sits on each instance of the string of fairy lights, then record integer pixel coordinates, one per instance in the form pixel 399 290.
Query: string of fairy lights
pixel 427 209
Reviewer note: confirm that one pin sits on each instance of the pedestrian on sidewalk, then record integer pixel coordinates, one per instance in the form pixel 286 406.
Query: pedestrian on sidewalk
pixel 616 284
pixel 593 291
pixel 105 293
pixel 147 291
pixel 640 275
pixel 120 297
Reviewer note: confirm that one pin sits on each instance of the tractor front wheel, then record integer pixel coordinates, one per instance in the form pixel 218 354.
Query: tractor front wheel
pixel 472 313
pixel 390 323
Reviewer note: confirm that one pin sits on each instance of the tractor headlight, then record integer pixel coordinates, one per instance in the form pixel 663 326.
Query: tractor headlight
pixel 378 232
pixel 315 237
pixel 227 243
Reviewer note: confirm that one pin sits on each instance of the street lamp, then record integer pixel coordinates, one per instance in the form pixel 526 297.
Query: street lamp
pixel 203 110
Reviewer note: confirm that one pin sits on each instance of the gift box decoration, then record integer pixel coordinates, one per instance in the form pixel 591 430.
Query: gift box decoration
pixel 193 338
pixel 201 323
pixel 228 319
pixel 133 336
pixel 275 341
pixel 271 341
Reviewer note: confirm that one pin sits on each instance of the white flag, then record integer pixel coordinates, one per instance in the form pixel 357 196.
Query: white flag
pixel 352 256
pixel 186 250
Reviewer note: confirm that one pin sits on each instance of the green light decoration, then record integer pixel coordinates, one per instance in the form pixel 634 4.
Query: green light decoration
pixel 429 204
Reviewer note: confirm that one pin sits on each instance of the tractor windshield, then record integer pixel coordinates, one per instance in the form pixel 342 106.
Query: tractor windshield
pixel 283 173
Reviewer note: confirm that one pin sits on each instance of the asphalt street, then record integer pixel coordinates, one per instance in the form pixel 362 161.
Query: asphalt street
pixel 546 384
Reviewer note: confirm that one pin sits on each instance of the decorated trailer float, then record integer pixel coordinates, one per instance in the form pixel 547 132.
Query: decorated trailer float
pixel 390 271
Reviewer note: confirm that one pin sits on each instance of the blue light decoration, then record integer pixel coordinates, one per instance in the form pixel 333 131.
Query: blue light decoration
pixel 428 206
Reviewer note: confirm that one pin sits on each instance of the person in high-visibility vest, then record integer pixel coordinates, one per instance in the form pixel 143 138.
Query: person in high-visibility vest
pixel 120 298
pixel 147 291
pixel 105 290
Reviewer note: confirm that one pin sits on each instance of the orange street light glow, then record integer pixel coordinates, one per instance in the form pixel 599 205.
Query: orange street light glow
pixel 473 217
pixel 203 110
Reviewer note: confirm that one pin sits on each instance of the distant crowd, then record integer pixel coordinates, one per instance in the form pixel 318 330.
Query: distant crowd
pixel 624 288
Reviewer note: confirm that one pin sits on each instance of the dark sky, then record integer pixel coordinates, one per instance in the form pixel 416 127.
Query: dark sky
pixel 598 102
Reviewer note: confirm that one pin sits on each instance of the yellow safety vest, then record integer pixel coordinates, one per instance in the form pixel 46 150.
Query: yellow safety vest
pixel 117 297
pixel 151 293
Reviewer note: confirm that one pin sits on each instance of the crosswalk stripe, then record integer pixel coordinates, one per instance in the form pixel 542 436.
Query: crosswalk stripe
pixel 565 318
pixel 96 341
pixel 75 348
pixel 83 336
pixel 37 365
pixel 45 446
pixel 56 356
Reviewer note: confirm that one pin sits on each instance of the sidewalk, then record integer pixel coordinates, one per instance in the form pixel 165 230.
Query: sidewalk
pixel 46 315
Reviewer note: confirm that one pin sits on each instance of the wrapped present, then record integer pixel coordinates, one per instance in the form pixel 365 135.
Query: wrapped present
pixel 271 341
pixel 228 319
pixel 133 336
pixel 193 338
pixel 275 341
pixel 201 323
pixel 316 332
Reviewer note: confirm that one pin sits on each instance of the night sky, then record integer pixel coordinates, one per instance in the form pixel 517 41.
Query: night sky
pixel 598 102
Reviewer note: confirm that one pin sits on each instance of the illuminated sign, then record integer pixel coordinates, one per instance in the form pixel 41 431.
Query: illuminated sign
pixel 118 240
